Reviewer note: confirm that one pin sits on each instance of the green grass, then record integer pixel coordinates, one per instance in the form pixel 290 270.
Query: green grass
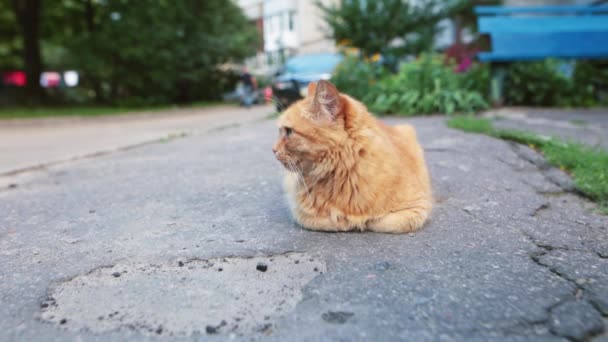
pixel 588 166
pixel 43 112
pixel 578 122
pixel 273 115
pixel 471 124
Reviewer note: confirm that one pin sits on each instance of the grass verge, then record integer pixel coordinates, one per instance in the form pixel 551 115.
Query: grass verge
pixel 273 115
pixel 588 166
pixel 43 112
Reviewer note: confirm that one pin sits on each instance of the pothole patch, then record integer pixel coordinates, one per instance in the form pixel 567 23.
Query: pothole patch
pixel 183 298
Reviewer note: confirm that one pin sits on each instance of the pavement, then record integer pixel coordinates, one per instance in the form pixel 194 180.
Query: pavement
pixel 31 143
pixel 587 126
pixel 190 239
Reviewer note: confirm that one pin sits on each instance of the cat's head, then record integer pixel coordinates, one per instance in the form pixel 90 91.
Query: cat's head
pixel 312 130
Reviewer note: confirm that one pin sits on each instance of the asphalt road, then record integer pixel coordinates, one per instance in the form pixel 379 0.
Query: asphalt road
pixel 191 239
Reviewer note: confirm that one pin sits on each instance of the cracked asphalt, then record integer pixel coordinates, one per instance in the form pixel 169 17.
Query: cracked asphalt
pixel 509 254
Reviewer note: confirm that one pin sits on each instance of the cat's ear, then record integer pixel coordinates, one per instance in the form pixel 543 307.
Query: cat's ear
pixel 326 103
pixel 312 86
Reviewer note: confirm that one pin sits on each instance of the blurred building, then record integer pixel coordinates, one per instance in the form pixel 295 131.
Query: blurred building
pixel 288 27
pixel 291 27
pixel 546 2
pixel 451 31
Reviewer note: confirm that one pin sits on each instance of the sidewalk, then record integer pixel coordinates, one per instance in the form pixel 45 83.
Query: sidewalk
pixel 28 143
pixel 588 126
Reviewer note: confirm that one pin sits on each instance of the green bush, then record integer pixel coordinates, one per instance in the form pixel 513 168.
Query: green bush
pixel 547 83
pixel 429 85
pixel 535 83
pixel 356 77
pixel 590 79
pixel 477 78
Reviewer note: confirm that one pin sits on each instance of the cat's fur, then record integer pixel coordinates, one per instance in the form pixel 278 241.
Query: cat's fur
pixel 349 171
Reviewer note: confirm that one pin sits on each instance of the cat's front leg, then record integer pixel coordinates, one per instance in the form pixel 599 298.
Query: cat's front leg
pixel 324 224
pixel 403 221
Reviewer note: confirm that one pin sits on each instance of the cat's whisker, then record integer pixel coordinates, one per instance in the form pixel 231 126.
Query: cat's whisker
pixel 300 177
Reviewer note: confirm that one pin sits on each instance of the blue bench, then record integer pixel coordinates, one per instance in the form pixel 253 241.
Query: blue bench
pixel 534 33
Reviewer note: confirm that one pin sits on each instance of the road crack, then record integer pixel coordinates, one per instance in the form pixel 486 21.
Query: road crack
pixel 578 294
pixel 550 173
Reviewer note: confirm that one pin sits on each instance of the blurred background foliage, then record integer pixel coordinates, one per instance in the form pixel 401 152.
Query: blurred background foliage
pixel 393 65
pixel 426 85
pixel 127 51
pixel 145 52
pixel 394 28
pixel 557 83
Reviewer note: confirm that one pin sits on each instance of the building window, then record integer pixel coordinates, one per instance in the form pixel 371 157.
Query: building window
pixel 291 21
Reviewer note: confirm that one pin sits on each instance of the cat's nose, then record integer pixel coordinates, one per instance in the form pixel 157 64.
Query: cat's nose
pixel 274 149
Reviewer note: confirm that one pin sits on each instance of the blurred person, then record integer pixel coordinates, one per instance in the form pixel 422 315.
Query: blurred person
pixel 268 94
pixel 249 87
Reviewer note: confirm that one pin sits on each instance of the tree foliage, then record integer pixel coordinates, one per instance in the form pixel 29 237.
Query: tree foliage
pixel 27 16
pixel 390 27
pixel 142 50
pixel 10 42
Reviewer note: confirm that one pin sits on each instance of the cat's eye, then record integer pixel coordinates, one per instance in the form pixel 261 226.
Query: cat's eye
pixel 288 131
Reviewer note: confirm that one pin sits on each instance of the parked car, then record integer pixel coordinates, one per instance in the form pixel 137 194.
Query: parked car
pixel 293 78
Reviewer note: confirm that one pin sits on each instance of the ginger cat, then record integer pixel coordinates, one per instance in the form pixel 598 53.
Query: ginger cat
pixel 349 171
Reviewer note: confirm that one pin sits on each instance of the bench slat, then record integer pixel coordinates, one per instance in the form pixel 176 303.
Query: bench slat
pixel 507 46
pixel 527 33
pixel 500 10
pixel 543 24
pixel 491 57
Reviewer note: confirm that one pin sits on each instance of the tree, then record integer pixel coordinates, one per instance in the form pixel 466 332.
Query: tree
pixel 10 43
pixel 465 17
pixel 394 28
pixel 127 50
pixel 27 13
pixel 159 51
